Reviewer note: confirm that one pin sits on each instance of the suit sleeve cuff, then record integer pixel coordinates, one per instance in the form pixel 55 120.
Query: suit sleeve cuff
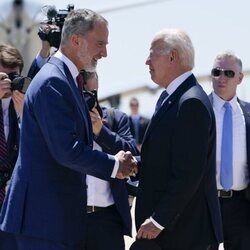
pixel 156 223
pixel 115 169
pixel 40 61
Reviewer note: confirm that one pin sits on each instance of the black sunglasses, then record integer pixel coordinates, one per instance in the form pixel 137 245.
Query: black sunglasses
pixel 227 72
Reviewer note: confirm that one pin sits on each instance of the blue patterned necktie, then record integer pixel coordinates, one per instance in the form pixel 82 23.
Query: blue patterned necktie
pixel 226 170
pixel 162 97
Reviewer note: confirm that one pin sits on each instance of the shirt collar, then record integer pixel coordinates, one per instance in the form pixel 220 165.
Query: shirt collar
pixel 71 66
pixel 177 82
pixel 218 102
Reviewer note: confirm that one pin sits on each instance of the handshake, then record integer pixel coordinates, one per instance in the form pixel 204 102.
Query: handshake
pixel 127 165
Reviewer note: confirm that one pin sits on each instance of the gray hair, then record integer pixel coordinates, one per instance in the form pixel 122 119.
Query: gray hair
pixel 180 41
pixel 80 22
pixel 231 55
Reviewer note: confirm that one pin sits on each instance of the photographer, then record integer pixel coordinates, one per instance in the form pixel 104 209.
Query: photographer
pixel 11 63
pixel 45 52
pixel 12 89
pixel 50 35
pixel 111 134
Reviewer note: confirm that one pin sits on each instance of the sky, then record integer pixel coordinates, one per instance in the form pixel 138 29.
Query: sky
pixel 213 26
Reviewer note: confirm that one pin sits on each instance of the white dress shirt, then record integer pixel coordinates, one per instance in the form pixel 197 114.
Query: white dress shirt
pixel 98 192
pixel 177 82
pixel 240 171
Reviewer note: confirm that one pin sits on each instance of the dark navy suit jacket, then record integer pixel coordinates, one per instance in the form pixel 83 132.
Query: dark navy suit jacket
pixel 112 140
pixel 143 124
pixel 245 106
pixel 177 184
pixel 47 195
pixel 33 70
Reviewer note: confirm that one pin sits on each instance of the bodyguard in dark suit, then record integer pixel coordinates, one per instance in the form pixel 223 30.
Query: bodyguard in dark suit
pixel 233 140
pixel 45 207
pixel 177 205
pixel 138 123
pixel 113 223
pixel 11 104
pixel 108 207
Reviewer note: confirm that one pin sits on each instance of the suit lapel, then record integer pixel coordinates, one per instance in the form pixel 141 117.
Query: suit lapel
pixel 187 84
pixel 246 112
pixel 80 103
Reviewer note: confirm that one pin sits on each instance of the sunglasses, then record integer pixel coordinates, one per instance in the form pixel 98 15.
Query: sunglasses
pixel 227 72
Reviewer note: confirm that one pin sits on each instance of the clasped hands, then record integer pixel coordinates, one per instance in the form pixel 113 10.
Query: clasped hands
pixel 127 165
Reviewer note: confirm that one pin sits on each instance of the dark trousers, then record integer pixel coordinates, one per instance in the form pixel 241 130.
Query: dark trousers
pixel 235 213
pixel 19 242
pixel 7 241
pixel 152 245
pixel 104 230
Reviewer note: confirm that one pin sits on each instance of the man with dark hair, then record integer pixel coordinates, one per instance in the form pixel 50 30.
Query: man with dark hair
pixel 138 123
pixel 11 104
pixel 111 134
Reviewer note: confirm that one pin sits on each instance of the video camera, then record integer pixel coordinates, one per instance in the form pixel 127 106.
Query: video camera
pixel 18 82
pixel 90 96
pixel 91 100
pixel 56 18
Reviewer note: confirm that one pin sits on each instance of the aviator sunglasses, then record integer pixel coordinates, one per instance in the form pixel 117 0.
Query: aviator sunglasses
pixel 227 72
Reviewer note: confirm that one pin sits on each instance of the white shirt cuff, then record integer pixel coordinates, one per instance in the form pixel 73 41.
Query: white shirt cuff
pixel 115 169
pixel 156 223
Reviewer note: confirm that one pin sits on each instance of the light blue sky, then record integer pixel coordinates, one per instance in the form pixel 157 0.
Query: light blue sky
pixel 213 25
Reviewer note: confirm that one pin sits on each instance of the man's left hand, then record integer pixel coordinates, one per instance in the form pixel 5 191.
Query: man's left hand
pixel 148 230
pixel 17 98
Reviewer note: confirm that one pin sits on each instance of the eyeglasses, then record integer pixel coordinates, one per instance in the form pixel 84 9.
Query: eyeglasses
pixel 227 72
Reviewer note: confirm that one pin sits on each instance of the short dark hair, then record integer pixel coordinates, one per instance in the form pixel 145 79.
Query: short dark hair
pixel 89 75
pixel 134 101
pixel 10 57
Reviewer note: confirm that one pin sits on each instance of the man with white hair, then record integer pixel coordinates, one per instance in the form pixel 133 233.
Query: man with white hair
pixel 177 205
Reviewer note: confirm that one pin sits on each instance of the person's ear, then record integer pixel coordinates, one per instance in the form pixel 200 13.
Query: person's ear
pixel 75 39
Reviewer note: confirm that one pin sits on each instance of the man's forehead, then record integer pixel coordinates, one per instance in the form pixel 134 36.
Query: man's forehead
pixel 157 43
pixel 8 70
pixel 100 33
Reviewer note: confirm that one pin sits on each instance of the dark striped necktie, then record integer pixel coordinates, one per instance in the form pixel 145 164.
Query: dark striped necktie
pixel 3 152
pixel 162 97
pixel 80 84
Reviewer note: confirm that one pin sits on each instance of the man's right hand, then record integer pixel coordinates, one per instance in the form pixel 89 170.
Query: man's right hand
pixel 127 165
pixel 5 85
